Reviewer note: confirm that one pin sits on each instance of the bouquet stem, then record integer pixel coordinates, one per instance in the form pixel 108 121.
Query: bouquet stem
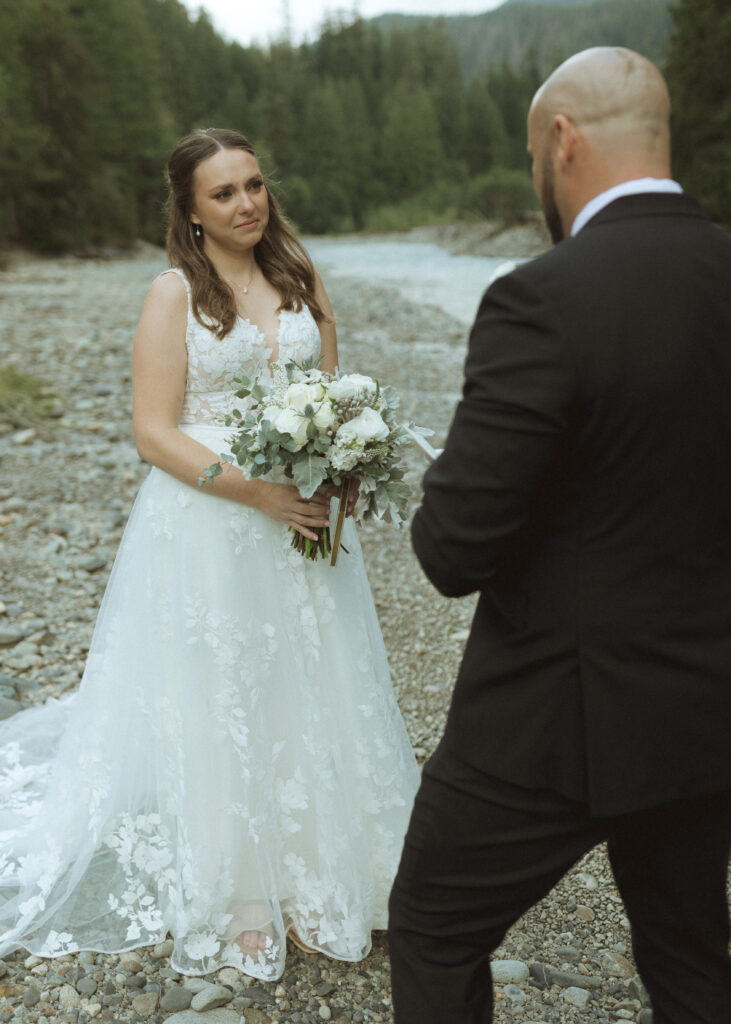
pixel 344 491
pixel 312 549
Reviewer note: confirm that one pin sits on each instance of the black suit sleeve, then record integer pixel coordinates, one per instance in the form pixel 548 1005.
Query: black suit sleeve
pixel 502 442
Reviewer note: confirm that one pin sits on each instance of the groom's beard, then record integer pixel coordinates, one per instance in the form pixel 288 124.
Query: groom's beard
pixel 548 202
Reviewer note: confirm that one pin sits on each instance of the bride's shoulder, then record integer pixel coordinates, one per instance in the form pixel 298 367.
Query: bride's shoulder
pixel 165 305
pixel 169 290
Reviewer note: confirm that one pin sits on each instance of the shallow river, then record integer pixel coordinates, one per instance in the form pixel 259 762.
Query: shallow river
pixel 422 272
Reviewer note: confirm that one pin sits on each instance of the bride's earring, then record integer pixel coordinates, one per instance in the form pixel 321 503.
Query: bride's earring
pixel 197 231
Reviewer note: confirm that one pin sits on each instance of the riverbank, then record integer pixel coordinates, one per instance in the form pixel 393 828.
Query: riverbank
pixel 489 239
pixel 67 486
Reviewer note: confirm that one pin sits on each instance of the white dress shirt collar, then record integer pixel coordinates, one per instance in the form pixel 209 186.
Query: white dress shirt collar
pixel 625 188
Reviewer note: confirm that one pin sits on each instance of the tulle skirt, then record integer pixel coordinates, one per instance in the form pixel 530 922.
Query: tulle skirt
pixel 233 761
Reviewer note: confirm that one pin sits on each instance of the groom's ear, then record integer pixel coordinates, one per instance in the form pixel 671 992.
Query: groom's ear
pixel 566 138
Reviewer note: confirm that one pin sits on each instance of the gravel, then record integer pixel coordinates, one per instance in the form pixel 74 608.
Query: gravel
pixel 68 485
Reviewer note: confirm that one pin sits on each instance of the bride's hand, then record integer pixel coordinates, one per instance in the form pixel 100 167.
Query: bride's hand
pixel 332 491
pixel 285 504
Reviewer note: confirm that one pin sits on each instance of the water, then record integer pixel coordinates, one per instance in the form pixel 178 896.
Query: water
pixel 422 272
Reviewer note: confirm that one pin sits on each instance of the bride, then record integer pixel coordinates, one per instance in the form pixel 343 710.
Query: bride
pixel 234 768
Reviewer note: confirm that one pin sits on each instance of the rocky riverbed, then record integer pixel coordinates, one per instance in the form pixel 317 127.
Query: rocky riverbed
pixel 67 484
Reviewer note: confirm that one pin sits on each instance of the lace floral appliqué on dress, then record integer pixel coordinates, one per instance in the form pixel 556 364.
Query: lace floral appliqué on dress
pixel 234 758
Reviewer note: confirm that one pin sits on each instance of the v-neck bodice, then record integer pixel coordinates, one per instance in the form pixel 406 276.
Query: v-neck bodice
pixel 215 363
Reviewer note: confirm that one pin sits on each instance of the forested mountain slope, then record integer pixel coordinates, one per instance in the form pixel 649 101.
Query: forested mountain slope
pixel 546 31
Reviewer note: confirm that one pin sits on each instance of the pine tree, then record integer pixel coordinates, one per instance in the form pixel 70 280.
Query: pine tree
pixel 486 140
pixel 698 77
pixel 411 152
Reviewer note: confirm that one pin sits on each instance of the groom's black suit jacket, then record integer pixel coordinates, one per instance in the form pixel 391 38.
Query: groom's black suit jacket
pixel 585 491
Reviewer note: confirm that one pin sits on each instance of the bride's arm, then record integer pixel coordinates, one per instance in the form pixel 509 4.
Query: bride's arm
pixel 159 369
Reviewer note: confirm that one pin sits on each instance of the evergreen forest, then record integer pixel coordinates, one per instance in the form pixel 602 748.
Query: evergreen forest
pixel 375 125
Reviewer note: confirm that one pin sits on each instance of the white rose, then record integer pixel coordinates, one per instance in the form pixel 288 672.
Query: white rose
pixel 325 417
pixel 270 412
pixel 289 421
pixel 300 395
pixel 351 385
pixel 366 426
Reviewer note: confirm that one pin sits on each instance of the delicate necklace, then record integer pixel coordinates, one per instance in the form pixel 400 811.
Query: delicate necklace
pixel 245 289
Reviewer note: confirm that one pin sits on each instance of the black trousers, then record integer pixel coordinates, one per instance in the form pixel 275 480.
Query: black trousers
pixel 479 853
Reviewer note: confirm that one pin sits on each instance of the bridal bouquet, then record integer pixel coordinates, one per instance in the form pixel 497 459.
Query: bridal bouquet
pixel 323 428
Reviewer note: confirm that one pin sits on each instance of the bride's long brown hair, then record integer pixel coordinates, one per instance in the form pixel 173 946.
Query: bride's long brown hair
pixel 282 258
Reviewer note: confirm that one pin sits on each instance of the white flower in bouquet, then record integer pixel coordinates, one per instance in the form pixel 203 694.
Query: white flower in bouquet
pixel 350 386
pixel 298 396
pixel 270 413
pixel 366 426
pixel 325 417
pixel 289 421
pixel 343 460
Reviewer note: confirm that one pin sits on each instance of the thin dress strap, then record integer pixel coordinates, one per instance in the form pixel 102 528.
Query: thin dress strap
pixel 179 272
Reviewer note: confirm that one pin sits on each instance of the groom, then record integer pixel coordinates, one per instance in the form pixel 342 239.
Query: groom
pixel 585 492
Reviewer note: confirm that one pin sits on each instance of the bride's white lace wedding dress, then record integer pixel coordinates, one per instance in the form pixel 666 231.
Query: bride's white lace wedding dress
pixel 234 758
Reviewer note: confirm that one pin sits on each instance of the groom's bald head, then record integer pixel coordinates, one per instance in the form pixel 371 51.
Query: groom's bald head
pixel 601 118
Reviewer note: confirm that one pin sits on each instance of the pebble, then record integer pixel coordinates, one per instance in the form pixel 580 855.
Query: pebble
pixel 131 961
pixel 196 985
pixel 163 949
pixel 514 994
pixel 587 880
pixel 9 636
pixel 540 975
pixel 146 1003
pixel 135 981
pixel 507 971
pixel 31 996
pixel 175 999
pixel 229 976
pixel 585 914
pixel 576 997
pixel 324 1013
pixel 566 979
pixel 214 1017
pixel 211 997
pixel 68 998
pixel 616 965
pixel 24 436
pixel 93 563
pixel 568 954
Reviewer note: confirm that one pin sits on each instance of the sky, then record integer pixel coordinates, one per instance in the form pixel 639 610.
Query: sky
pixel 262 21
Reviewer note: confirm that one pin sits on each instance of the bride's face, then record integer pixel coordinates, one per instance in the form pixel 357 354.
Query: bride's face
pixel 230 200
